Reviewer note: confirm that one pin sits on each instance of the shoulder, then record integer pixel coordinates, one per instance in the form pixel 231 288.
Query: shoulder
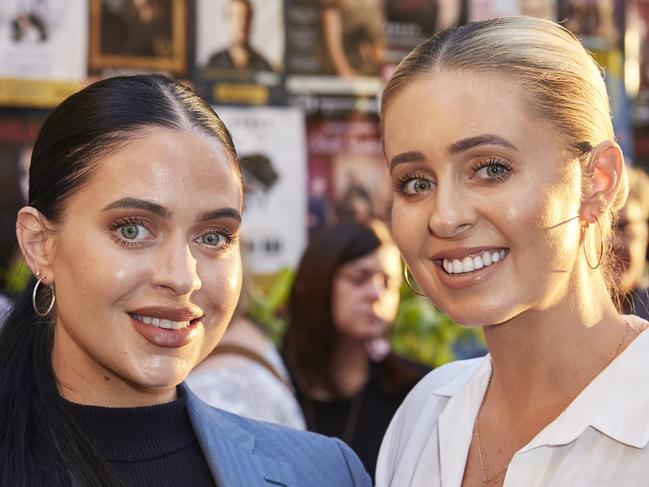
pixel 309 454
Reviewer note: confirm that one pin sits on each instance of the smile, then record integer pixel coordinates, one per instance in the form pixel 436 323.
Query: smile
pixel 161 322
pixel 474 262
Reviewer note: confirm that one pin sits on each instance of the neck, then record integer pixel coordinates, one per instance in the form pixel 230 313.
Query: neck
pixel 554 353
pixel 350 365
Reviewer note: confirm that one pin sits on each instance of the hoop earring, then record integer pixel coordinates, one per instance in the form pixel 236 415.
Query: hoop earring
pixel 601 247
pixel 40 313
pixel 406 275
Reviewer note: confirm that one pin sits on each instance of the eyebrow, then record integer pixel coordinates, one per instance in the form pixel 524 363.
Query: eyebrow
pixel 486 139
pixel 163 212
pixel 140 204
pixel 220 213
pixel 456 147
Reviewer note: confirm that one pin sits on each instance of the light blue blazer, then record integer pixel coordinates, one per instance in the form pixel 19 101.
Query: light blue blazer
pixel 242 452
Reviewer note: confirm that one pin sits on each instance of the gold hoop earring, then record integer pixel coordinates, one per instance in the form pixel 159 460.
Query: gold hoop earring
pixel 406 275
pixel 601 247
pixel 40 313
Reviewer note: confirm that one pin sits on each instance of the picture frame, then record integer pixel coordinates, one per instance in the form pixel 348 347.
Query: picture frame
pixel 121 37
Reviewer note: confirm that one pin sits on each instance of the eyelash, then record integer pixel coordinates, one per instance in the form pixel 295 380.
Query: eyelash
pixel 227 235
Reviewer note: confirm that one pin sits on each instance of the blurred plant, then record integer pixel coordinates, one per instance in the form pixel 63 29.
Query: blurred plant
pixel 425 334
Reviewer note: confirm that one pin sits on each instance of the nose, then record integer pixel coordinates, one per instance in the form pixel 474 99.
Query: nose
pixel 176 268
pixel 452 213
pixel 375 287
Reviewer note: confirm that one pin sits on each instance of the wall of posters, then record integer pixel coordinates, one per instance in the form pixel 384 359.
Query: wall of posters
pixel 240 50
pixel 271 146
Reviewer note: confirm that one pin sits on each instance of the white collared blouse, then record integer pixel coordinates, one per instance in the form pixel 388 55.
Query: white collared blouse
pixel 600 439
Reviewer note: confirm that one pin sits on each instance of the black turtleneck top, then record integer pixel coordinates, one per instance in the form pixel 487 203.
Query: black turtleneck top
pixel 147 446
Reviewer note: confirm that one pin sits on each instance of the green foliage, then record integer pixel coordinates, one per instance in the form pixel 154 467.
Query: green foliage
pixel 426 335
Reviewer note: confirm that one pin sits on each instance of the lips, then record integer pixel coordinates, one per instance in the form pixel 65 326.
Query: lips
pixel 167 327
pixel 462 268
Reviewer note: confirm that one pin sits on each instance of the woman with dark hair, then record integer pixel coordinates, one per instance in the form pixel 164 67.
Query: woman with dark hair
pixel 135 202
pixel 342 305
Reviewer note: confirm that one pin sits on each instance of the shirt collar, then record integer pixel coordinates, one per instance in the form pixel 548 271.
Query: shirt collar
pixel 615 403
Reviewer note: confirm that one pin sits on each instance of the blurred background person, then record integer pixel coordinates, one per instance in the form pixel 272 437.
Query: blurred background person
pixel 245 367
pixel 630 246
pixel 342 306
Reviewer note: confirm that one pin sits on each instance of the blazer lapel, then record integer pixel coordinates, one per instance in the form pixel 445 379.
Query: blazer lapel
pixel 230 449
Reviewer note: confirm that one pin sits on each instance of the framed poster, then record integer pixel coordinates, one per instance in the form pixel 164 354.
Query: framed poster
pixel 138 34
pixel 347 176
pixel 240 51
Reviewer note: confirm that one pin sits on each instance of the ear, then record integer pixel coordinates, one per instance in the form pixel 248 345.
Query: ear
pixel 607 165
pixel 36 242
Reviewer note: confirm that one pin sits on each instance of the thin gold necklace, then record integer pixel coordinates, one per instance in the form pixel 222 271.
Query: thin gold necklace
pixel 500 474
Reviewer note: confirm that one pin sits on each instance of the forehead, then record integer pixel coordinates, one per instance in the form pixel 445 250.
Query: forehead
pixel 452 105
pixel 170 167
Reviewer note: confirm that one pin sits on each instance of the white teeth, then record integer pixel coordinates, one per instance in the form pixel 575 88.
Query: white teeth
pixel 486 258
pixel 161 322
pixel 473 262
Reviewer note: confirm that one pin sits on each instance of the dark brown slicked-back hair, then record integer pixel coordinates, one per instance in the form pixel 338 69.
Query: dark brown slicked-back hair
pixel 40 442
pixel 310 337
pixel 562 83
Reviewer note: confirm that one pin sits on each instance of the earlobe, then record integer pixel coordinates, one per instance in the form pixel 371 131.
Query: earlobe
pixel 35 240
pixel 606 175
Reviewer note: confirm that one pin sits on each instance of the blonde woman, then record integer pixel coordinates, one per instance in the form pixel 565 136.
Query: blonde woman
pixel 506 178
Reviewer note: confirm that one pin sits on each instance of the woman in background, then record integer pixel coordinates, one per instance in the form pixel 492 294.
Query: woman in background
pixel 132 227
pixel 343 303
pixel 506 177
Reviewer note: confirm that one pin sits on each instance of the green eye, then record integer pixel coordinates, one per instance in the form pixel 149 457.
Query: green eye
pixel 495 171
pixel 130 231
pixel 212 239
pixel 417 185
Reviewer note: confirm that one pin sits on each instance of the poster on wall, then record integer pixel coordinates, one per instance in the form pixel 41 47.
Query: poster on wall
pixel 42 50
pixel 240 51
pixel 489 9
pixel 18 131
pixel 271 147
pixel 347 175
pixel 335 46
pixel 139 35
pixel 409 23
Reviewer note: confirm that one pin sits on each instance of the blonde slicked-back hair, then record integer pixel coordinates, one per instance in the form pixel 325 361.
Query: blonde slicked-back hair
pixel 563 84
